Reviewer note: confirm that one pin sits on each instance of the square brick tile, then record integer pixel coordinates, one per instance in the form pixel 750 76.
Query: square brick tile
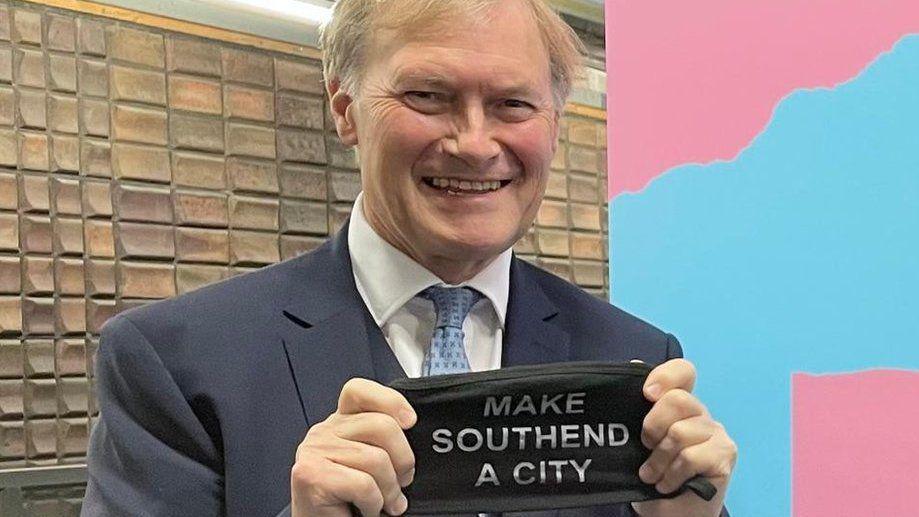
pixel 70 357
pixel 253 213
pixel 100 278
pixel 136 46
pixel 193 276
pixel 253 248
pixel 10 316
pixel 37 276
pixel 145 280
pixel 12 357
pixel 133 240
pixel 192 56
pixel 96 158
pixel 142 204
pixel 137 85
pixel 202 245
pixel 9 232
pixel 38 316
pixel 97 313
pixel 97 199
pixel 201 209
pixel 65 196
pixel 198 170
pixel 10 275
pixel 304 217
pixel 70 316
pixel 305 182
pixel 33 151
pixel 252 176
pixel 194 94
pixel 62 32
pixel 32 112
pixel 65 154
pixel 36 234
pixel 141 163
pixel 68 276
pixel 98 238
pixel 33 193
pixel 39 358
pixel 11 392
pixel 68 236
pixel 9 191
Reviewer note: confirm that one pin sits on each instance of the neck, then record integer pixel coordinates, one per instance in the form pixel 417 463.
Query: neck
pixel 449 269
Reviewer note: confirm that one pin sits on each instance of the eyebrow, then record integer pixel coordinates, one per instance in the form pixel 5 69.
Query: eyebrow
pixel 424 77
pixel 438 80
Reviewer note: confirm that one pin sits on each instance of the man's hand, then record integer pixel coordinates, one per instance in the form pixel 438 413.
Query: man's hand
pixel 685 441
pixel 358 455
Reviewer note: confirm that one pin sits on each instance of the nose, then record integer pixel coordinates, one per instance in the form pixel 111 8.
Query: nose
pixel 472 140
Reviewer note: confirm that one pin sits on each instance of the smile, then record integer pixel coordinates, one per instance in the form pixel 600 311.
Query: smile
pixel 456 186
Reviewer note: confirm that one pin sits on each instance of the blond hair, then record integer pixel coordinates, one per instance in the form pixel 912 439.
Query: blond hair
pixel 344 39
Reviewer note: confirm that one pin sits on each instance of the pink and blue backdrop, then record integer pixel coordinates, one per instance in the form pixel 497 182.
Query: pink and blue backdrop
pixel 764 207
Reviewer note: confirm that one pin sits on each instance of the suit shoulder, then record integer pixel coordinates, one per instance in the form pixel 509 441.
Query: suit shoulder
pixel 232 301
pixel 588 311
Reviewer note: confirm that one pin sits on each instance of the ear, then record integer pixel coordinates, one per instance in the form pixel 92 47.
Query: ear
pixel 341 104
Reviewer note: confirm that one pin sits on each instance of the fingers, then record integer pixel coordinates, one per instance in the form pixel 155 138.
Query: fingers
pixel 715 459
pixel 384 433
pixel 675 405
pixel 362 395
pixel 674 374
pixel 681 435
pixel 339 483
pixel 358 455
pixel 366 459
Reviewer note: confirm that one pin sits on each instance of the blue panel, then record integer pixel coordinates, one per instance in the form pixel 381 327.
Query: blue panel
pixel 801 255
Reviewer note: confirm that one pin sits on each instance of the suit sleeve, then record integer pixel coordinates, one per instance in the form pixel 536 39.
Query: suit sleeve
pixel 148 454
pixel 674 349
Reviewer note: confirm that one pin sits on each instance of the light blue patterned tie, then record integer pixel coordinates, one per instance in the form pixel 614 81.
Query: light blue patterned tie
pixel 447 353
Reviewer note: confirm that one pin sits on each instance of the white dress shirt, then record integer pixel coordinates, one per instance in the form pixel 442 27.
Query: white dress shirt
pixel 388 282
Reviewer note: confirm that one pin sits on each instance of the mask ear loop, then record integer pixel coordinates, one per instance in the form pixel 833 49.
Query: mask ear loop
pixel 701 486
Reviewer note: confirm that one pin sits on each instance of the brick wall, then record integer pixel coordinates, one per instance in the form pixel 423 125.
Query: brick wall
pixel 138 164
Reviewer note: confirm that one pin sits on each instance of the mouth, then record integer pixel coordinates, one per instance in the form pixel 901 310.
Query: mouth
pixel 459 187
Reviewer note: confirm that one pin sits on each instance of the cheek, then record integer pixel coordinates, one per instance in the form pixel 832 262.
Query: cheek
pixel 403 139
pixel 534 148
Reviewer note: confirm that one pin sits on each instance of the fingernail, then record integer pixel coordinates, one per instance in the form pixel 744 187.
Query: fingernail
pixel 653 391
pixel 401 505
pixel 407 478
pixel 662 488
pixel 645 473
pixel 407 418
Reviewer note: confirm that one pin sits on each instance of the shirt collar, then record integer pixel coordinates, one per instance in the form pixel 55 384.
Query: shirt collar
pixel 388 278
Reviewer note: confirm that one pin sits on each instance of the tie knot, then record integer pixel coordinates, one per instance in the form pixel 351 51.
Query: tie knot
pixel 452 304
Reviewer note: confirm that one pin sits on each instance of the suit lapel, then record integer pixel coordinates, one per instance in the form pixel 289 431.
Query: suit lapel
pixel 323 328
pixel 531 336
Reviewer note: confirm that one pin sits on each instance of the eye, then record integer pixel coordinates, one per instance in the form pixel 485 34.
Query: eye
pixel 422 95
pixel 515 110
pixel 426 101
pixel 517 104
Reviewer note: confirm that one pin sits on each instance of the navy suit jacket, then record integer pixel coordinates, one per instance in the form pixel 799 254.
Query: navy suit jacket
pixel 205 397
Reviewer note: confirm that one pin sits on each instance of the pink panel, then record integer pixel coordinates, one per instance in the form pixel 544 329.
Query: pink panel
pixel 855 444
pixel 693 82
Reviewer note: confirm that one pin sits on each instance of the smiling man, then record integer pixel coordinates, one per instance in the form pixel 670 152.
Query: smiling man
pixel 266 393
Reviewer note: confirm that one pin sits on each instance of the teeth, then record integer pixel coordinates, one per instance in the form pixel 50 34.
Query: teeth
pixel 464 185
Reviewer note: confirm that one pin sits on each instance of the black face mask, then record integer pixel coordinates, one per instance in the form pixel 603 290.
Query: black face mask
pixel 531 438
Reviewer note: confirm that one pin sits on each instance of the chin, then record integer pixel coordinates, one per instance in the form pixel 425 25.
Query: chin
pixel 476 245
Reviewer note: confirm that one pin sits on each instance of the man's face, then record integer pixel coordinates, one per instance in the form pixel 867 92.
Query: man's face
pixel 456 131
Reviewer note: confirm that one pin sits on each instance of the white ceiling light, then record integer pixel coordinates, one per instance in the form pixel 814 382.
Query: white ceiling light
pixel 314 13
